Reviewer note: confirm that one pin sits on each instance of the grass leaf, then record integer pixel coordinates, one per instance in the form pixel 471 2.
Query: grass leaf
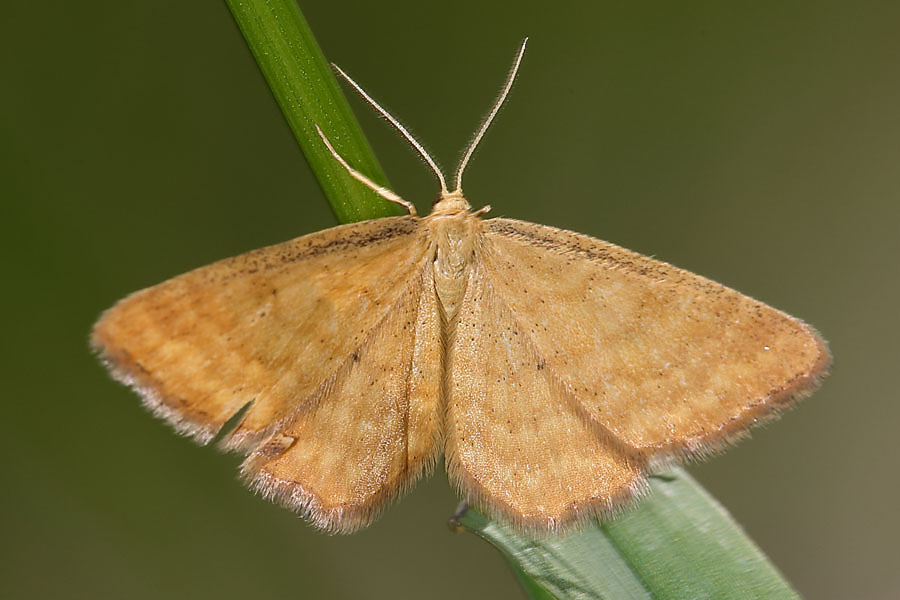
pixel 307 92
pixel 677 543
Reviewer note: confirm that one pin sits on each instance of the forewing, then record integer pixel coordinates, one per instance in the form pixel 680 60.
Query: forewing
pixel 516 445
pixel 670 362
pixel 271 327
pixel 371 432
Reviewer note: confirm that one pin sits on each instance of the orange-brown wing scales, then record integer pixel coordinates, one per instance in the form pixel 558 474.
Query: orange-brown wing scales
pixel 268 327
pixel 373 431
pixel 516 445
pixel 668 361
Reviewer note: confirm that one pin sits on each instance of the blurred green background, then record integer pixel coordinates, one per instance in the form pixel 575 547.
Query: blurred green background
pixel 757 143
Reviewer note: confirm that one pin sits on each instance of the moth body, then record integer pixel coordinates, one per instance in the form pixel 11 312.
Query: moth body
pixel 454 232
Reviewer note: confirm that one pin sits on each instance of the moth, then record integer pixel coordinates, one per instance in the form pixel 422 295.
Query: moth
pixel 553 371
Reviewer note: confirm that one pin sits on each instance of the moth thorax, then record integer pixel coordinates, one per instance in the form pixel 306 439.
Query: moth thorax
pixel 455 242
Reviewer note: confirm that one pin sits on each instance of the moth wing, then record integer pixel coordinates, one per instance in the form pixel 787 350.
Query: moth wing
pixel 669 362
pixel 516 445
pixel 271 327
pixel 371 432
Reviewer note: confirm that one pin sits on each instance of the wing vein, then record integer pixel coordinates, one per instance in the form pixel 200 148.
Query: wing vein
pixel 329 385
pixel 558 382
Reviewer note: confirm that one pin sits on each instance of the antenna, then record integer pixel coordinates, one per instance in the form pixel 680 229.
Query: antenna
pixel 409 138
pixel 457 180
pixel 378 189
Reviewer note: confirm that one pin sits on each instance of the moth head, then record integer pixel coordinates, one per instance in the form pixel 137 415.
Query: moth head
pixel 450 202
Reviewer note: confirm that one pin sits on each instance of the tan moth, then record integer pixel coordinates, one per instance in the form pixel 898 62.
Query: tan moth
pixel 553 371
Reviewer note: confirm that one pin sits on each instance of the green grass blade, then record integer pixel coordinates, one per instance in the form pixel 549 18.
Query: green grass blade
pixel 532 589
pixel 582 565
pixel 683 544
pixel 677 543
pixel 307 92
